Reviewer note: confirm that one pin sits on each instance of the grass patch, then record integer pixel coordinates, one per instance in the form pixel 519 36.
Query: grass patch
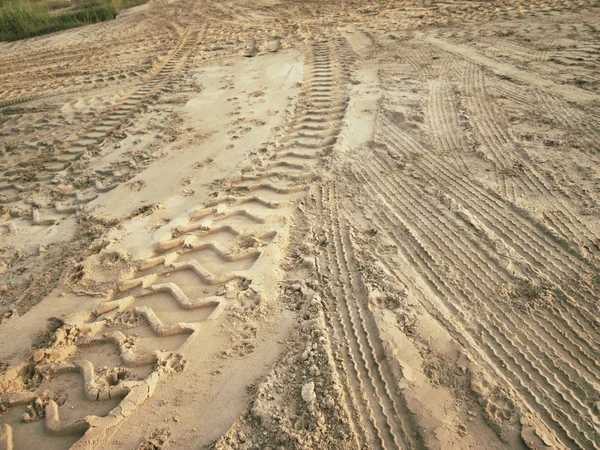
pixel 21 19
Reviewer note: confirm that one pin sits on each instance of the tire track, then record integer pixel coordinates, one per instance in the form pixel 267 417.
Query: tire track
pixel 443 122
pixel 493 213
pixel 509 340
pixel 478 287
pixel 486 271
pixel 166 300
pixel 515 173
pixel 356 394
pixel 85 58
pixel 98 132
pixel 494 348
pixel 392 418
pixel 567 225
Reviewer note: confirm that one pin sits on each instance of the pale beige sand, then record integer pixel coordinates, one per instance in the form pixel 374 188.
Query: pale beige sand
pixel 288 224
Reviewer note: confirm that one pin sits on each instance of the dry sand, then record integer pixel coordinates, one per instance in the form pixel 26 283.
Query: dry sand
pixel 299 225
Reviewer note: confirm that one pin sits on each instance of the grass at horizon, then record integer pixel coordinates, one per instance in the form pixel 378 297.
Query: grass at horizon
pixel 20 19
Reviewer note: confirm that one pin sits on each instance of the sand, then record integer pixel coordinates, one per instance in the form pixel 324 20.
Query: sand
pixel 299 225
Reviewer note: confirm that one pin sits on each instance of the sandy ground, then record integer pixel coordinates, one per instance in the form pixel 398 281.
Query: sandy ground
pixel 303 224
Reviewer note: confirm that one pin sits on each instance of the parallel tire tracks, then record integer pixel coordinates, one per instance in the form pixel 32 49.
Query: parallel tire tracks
pixel 11 179
pixel 549 357
pixel 166 300
pixel 383 414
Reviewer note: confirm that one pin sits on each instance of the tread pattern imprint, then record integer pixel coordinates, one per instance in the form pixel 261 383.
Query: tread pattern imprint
pixel 444 219
pixel 165 301
pixel 518 291
pixel 37 179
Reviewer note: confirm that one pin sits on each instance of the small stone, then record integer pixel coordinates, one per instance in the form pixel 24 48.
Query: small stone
pixel 314 370
pixel 320 419
pixel 26 418
pixel 308 392
pixel 112 379
pixel 329 401
pixel 38 356
pixel 309 262
pixel 274 44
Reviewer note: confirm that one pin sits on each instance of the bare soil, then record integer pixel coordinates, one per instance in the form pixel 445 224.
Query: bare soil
pixel 303 224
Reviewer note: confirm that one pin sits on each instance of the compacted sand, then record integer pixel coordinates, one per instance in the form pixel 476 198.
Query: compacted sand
pixel 303 225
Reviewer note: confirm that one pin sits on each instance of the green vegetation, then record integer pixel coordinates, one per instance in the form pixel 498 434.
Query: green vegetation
pixel 26 18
